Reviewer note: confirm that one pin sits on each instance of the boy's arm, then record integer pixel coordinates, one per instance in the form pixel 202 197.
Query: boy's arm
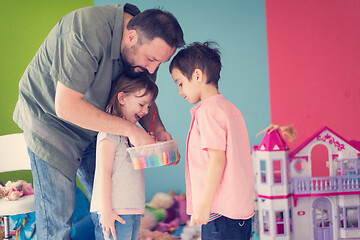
pixel 106 153
pixel 214 174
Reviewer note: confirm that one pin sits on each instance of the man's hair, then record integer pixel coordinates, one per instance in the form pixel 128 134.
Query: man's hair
pixel 199 56
pixel 130 84
pixel 154 23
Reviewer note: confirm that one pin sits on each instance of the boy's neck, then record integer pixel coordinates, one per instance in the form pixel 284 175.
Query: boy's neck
pixel 208 90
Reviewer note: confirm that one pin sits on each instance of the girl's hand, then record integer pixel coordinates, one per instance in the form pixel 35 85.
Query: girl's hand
pixel 200 216
pixel 107 221
pixel 152 134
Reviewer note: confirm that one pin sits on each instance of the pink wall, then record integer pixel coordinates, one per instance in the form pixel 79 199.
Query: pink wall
pixel 314 66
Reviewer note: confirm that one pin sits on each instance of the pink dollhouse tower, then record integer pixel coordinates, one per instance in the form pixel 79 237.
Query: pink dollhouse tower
pixel 271 163
pixel 310 193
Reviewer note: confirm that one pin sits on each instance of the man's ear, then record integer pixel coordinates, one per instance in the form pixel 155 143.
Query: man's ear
pixel 197 75
pixel 121 98
pixel 132 37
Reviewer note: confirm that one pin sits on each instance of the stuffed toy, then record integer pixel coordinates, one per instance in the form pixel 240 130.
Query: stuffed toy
pixel 14 190
pixel 155 212
pixel 178 210
pixel 175 215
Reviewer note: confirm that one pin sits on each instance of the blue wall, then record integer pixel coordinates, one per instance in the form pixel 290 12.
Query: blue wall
pixel 239 28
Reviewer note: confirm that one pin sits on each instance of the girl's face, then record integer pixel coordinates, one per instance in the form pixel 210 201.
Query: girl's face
pixel 133 105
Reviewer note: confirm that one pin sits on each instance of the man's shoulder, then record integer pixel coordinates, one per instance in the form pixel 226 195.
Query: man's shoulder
pixel 107 9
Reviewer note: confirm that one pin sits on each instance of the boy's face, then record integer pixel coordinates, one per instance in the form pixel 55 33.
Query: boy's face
pixel 190 89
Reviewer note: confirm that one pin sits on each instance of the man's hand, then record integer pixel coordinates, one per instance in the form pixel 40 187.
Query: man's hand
pixel 138 137
pixel 163 135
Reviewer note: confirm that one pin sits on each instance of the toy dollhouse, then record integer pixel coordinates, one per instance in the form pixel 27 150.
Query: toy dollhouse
pixel 310 193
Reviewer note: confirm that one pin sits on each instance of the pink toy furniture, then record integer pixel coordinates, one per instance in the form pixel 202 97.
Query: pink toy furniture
pixel 311 192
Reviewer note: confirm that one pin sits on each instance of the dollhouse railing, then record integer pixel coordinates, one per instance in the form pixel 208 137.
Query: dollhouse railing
pixel 338 184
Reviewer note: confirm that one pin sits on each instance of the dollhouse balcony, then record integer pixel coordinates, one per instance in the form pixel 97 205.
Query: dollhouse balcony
pixel 339 185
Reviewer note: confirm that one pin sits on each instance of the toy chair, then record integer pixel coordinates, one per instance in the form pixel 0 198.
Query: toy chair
pixel 13 157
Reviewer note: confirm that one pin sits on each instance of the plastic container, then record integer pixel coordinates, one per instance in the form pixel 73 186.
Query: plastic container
pixel 155 155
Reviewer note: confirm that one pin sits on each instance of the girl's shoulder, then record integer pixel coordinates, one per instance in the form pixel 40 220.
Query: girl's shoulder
pixel 115 139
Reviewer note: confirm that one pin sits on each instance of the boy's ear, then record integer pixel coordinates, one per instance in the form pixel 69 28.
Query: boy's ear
pixel 197 75
pixel 121 98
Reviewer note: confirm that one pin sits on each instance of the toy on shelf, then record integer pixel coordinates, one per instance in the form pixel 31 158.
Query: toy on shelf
pixel 163 214
pixel 191 233
pixel 178 209
pixel 154 155
pixel 155 212
pixel 12 191
pixel 310 193
pixel 176 215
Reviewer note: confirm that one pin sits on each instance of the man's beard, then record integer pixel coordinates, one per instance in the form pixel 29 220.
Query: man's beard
pixel 129 67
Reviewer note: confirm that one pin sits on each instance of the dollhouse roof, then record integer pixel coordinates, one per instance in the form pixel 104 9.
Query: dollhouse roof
pixel 354 144
pixel 272 141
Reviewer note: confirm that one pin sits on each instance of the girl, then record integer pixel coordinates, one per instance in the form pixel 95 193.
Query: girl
pixel 119 190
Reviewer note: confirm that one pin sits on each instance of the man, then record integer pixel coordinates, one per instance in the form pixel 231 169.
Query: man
pixel 64 91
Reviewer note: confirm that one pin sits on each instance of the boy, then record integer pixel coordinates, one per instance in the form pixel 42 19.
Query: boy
pixel 219 174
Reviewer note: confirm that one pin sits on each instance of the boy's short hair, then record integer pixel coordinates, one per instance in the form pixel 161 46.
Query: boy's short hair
pixel 199 56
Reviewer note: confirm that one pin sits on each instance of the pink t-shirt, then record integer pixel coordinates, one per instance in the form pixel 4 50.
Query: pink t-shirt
pixel 217 124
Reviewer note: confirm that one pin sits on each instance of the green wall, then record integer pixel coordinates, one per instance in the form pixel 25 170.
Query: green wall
pixel 23 29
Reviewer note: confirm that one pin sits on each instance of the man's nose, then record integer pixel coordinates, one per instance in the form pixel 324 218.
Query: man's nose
pixel 151 67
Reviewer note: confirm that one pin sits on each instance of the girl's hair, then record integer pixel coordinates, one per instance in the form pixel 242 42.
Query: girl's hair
pixel 129 84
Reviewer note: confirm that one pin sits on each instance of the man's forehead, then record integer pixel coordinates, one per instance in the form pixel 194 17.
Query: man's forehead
pixel 159 50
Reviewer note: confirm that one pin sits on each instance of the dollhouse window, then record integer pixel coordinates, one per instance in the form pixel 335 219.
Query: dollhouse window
pixel 349 167
pixel 280 222
pixel 349 217
pixel 266 223
pixel 298 165
pixel 263 171
pixel 277 171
